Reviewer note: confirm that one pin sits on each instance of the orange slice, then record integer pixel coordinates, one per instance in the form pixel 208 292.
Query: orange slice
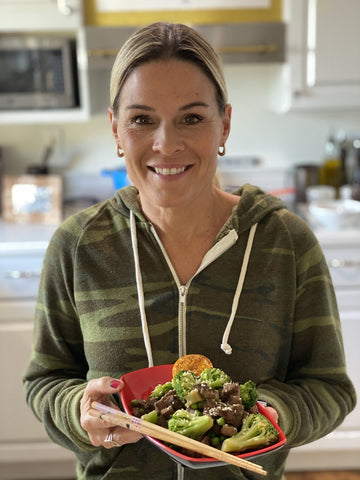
pixel 194 362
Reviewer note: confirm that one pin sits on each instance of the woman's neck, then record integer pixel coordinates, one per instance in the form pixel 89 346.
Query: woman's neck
pixel 203 218
pixel 188 233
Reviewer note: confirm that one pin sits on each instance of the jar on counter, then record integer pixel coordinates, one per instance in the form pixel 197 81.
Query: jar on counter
pixel 332 170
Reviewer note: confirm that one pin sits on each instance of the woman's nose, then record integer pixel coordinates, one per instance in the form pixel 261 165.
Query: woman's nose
pixel 168 140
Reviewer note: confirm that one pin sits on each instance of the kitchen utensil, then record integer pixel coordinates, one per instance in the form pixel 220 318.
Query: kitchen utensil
pixel 130 422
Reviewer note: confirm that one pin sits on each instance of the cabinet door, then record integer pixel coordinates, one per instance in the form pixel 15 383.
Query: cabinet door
pixel 19 423
pixel 25 15
pixel 324 54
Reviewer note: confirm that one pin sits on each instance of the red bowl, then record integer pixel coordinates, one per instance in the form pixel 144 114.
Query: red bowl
pixel 139 385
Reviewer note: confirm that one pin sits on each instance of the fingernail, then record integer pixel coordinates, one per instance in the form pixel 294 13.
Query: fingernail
pixel 115 383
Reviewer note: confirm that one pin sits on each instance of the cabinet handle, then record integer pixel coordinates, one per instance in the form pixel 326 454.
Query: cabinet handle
pixel 340 263
pixel 257 48
pixel 64 8
pixel 22 274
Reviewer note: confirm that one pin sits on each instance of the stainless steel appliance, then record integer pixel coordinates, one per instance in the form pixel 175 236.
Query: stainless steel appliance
pixel 37 72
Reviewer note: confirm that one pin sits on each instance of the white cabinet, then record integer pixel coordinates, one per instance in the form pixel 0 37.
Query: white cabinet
pixel 340 449
pixel 25 449
pixel 55 18
pixel 323 54
pixel 46 15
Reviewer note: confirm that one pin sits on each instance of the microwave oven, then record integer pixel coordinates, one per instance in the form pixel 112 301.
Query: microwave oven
pixel 37 72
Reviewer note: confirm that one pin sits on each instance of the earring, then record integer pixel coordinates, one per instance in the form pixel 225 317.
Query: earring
pixel 221 150
pixel 119 152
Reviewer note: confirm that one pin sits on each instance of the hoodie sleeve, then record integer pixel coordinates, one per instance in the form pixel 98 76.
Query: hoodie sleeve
pixel 56 376
pixel 317 394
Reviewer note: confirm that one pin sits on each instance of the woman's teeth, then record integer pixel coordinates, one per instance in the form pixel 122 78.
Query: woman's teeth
pixel 169 171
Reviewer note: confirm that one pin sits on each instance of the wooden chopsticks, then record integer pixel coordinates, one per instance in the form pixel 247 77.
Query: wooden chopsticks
pixel 121 419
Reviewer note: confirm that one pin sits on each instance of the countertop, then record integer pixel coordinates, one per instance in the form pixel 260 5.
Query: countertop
pixel 35 237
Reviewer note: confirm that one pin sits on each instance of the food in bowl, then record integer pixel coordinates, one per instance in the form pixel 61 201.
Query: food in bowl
pixel 139 384
pixel 209 407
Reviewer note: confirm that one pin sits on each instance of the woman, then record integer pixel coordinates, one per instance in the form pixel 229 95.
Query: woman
pixel 173 265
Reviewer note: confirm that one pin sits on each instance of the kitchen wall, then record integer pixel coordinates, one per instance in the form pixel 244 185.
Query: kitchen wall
pixel 256 92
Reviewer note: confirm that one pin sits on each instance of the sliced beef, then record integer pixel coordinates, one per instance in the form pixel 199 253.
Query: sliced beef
pixel 232 414
pixel 230 393
pixel 206 392
pixel 170 399
pixel 228 430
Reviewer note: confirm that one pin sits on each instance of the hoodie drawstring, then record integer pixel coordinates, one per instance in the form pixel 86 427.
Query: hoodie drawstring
pixel 140 290
pixel 224 344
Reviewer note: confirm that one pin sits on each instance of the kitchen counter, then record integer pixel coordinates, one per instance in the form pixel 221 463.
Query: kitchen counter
pixel 24 237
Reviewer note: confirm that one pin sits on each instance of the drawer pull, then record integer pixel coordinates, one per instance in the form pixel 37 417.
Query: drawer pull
pixel 22 274
pixel 339 263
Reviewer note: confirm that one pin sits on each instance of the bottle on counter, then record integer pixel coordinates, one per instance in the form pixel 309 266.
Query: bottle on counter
pixel 355 187
pixel 332 170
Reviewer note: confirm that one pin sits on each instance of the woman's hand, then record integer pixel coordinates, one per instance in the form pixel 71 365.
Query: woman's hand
pixel 102 433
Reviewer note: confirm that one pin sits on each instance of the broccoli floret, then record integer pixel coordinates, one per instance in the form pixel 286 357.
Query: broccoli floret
pixel 160 390
pixel 249 394
pixel 183 382
pixel 256 432
pixel 214 377
pixel 151 417
pixel 190 424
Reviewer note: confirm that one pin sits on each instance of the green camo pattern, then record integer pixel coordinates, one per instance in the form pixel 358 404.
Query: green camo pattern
pixel 286 335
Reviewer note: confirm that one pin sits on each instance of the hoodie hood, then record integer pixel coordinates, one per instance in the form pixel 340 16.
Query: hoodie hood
pixel 252 208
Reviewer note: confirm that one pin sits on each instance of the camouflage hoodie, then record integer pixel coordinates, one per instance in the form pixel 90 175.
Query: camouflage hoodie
pixel 261 307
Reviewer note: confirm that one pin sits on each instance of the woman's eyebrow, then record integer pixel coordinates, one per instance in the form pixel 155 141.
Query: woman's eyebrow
pixel 137 106
pixel 194 104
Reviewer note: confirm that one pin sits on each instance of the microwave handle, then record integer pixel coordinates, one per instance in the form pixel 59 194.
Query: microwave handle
pixel 63 7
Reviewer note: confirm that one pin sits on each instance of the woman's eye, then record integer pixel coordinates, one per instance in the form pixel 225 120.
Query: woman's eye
pixel 192 119
pixel 141 120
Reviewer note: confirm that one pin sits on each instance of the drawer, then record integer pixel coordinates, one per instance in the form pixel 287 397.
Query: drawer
pixel 20 275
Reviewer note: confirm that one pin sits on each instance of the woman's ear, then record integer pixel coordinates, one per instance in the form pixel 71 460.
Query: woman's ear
pixel 113 122
pixel 226 122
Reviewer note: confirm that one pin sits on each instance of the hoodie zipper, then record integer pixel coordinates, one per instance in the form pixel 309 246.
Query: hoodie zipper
pixel 215 252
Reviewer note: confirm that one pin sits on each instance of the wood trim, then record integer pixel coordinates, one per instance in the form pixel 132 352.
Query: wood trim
pixel 199 17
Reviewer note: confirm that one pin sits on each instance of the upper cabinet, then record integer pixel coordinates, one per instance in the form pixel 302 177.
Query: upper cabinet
pixel 48 15
pixel 242 31
pixel 141 12
pixel 29 24
pixel 323 54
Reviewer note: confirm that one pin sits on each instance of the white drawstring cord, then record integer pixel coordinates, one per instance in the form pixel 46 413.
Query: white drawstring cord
pixel 140 290
pixel 224 344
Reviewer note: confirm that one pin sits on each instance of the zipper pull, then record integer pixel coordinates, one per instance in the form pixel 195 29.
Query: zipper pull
pixel 182 293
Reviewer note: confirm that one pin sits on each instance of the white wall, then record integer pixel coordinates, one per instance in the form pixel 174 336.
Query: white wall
pixel 255 91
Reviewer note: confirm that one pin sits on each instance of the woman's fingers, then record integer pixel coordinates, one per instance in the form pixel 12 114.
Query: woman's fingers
pixel 100 432
pixel 120 436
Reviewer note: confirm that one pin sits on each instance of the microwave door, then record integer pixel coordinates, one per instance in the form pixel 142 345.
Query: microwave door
pixel 37 78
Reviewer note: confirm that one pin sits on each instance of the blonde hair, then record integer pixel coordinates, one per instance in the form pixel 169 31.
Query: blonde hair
pixel 165 41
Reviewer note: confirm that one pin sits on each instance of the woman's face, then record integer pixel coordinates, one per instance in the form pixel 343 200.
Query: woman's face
pixel 170 129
